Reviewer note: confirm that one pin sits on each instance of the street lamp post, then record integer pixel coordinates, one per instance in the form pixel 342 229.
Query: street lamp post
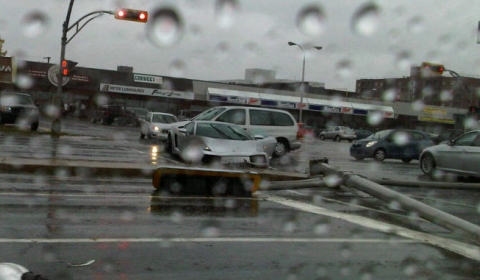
pixel 303 76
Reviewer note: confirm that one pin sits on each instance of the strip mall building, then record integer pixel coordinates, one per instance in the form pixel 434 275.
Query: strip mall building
pixel 319 106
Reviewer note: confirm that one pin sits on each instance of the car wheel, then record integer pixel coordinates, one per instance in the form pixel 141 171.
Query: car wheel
pixel 322 137
pixel 142 135
pixel 280 148
pixel 167 147
pixel 379 155
pixel 406 160
pixel 427 164
pixel 34 126
pixel 359 158
pixel 337 138
pixel 149 136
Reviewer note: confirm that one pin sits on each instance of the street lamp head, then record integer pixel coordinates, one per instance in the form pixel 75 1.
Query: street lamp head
pixel 318 47
pixel 292 44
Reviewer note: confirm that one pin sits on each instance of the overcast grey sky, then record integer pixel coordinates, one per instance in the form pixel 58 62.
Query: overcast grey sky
pixel 220 39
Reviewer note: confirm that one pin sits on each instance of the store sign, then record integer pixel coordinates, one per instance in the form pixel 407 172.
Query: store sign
pixel 147 79
pixel 146 91
pixel 7 70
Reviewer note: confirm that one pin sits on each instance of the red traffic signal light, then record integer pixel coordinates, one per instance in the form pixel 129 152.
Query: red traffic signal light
pixel 68 68
pixel 132 15
pixel 432 69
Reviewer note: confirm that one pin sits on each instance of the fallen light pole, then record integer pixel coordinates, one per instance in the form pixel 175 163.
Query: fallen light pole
pixel 423 210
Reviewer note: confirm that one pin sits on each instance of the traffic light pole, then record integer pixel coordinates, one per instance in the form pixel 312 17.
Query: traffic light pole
pixel 56 124
pixel 56 98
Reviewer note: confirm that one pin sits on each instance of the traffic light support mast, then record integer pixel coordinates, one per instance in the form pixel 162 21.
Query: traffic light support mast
pixel 56 124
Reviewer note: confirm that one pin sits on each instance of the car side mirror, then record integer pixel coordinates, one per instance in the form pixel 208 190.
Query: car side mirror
pixel 182 130
pixel 258 137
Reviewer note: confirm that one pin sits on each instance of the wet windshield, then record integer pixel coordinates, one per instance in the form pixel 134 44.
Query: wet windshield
pixel 89 190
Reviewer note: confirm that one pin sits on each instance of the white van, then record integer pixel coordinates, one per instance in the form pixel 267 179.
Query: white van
pixel 277 123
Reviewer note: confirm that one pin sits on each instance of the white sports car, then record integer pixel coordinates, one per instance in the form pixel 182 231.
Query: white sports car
pixel 211 142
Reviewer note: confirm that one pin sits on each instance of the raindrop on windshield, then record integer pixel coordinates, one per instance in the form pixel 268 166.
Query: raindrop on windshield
pixel 344 68
pixel 177 68
pixel 35 24
pixel 310 20
pixel 403 60
pixel 365 21
pixel 225 12
pixel 165 27
pixel 415 25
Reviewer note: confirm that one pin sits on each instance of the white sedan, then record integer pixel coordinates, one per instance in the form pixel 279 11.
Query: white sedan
pixel 460 156
pixel 212 142
pixel 156 125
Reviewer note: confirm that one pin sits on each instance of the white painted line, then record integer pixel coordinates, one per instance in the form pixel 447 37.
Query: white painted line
pixel 202 240
pixel 464 249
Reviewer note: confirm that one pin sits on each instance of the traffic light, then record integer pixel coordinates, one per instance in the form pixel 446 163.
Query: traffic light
pixel 68 68
pixel 132 15
pixel 432 69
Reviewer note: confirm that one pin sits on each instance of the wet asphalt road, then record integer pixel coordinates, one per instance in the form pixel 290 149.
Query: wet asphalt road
pixel 53 223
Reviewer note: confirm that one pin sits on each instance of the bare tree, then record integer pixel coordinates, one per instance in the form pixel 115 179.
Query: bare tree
pixel 2 53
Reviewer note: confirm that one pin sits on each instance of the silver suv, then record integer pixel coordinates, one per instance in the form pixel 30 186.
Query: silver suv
pixel 338 133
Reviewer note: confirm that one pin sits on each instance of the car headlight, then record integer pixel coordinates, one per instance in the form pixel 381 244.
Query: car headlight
pixel 156 128
pixel 369 144
pixel 6 109
pixel 207 148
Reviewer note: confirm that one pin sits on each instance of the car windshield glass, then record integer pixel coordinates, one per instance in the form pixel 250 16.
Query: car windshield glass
pixel 222 131
pixel 160 118
pixel 16 99
pixel 209 114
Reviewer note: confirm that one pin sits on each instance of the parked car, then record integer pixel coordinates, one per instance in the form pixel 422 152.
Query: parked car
pixel 460 156
pixel 211 142
pixel 362 133
pixel 446 135
pixel 338 133
pixel 18 109
pixel 106 114
pixel 277 123
pixel 305 131
pixel 156 125
pixel 140 113
pixel 404 144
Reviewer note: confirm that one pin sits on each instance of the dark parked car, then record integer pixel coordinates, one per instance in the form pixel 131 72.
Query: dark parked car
pixel 404 144
pixel 107 114
pixel 446 135
pixel 18 109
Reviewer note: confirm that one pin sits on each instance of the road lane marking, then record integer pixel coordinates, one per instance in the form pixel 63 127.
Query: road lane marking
pixel 464 249
pixel 203 240
pixel 362 207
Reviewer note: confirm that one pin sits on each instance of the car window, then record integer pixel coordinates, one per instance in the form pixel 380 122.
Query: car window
pixel 281 119
pixel 417 136
pixel 466 140
pixel 235 116
pixel 190 128
pixel 209 114
pixel 222 131
pixel 260 117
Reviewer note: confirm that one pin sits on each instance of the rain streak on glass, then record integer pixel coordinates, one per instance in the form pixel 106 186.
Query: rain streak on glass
pixel 366 20
pixel 225 12
pixel 165 28
pixel 310 20
pixel 35 24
